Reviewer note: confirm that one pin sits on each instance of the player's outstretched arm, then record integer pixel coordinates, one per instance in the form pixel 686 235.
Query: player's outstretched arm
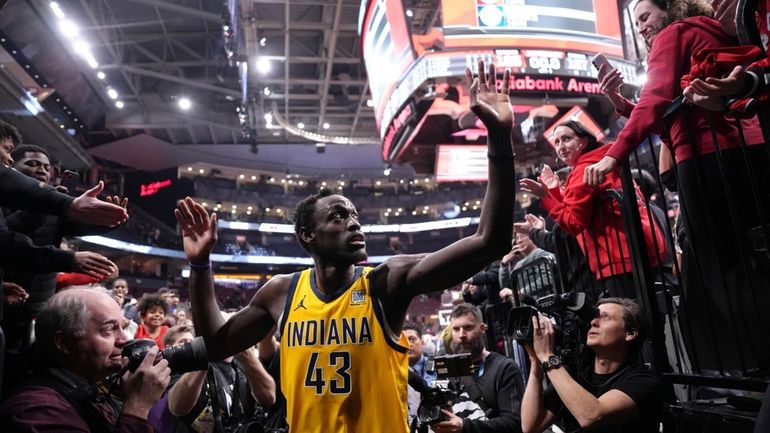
pixel 245 328
pixel 411 275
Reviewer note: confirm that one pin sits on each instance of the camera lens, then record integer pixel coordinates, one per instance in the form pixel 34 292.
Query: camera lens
pixel 190 356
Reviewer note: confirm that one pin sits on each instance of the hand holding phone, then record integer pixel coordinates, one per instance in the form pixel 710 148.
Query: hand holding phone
pixel 598 60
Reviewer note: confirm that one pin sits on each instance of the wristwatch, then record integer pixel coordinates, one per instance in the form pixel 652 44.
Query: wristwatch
pixel 552 362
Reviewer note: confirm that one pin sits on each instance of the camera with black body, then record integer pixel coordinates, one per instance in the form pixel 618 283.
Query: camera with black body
pixel 190 356
pixel 570 315
pixel 447 387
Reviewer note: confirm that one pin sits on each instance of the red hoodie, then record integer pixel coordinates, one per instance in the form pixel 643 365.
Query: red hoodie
pixel 668 61
pixel 598 234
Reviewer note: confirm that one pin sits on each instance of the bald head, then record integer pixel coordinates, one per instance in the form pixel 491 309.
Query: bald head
pixel 80 330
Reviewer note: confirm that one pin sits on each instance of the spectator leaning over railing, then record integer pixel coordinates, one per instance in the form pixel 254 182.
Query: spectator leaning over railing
pixel 597 227
pixel 720 191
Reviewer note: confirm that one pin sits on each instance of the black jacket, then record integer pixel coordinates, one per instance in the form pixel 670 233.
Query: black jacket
pixel 17 251
pixel 44 230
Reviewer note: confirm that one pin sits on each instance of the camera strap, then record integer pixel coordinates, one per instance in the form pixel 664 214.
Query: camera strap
pixel 80 395
pixel 212 393
pixel 474 390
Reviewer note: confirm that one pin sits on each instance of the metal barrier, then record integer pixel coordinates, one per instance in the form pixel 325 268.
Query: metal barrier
pixel 708 299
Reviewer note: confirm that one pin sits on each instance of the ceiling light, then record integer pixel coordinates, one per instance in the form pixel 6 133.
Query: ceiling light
pixel 201 171
pixel 263 65
pixel 242 176
pixel 69 29
pixel 253 177
pixel 119 104
pixel 326 125
pixel 100 75
pixel 57 10
pixel 81 47
pixel 189 168
pixel 266 91
pixel 112 93
pixel 370 103
pixel 409 13
pixel 301 125
pixel 262 42
pixel 185 104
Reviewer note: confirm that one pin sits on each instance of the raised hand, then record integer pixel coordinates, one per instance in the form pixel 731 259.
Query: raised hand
pixel 534 187
pixel 548 177
pixel 116 200
pixel 13 293
pixel 199 230
pixel 95 265
pixel 90 210
pixel 493 107
pixel 537 222
pixel 610 79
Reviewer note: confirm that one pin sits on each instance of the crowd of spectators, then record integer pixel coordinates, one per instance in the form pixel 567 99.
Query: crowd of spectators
pixel 63 362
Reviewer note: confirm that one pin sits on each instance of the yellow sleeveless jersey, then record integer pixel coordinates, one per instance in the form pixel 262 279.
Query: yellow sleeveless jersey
pixel 341 371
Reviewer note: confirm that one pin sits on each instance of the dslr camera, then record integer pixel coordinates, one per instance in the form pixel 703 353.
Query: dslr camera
pixel 190 356
pixel 447 387
pixel 569 313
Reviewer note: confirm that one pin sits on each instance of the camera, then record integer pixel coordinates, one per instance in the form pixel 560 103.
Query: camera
pixel 447 387
pixel 569 313
pixel 190 356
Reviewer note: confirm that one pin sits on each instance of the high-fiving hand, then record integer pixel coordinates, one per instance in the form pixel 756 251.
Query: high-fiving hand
pixel 493 107
pixel 199 230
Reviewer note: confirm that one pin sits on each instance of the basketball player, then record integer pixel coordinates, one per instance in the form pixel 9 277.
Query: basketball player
pixel 343 356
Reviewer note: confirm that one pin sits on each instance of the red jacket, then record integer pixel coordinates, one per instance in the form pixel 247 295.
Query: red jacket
pixel 597 234
pixel 668 61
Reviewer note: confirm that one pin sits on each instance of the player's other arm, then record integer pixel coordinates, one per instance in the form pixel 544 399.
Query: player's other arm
pixel 455 263
pixel 245 328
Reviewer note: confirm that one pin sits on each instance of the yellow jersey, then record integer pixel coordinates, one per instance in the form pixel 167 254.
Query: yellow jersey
pixel 341 369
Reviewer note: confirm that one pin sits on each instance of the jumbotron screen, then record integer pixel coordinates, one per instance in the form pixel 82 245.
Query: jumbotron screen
pixel 579 25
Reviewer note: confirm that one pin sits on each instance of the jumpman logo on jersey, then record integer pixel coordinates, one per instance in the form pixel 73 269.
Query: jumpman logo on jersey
pixel 301 304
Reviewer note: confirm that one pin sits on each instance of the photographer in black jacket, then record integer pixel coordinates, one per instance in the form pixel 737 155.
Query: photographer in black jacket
pixel 491 400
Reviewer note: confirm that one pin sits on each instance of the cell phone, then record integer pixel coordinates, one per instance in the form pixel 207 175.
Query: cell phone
pixel 598 60
pixel 69 179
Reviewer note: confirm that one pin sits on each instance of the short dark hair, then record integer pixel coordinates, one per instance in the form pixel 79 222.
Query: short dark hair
pixel 582 132
pixel 149 300
pixel 19 151
pixel 9 131
pixel 413 326
pixel 466 308
pixel 304 212
pixel 644 179
pixel 633 320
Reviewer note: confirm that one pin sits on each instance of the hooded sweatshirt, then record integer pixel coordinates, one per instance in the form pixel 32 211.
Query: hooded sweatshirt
pixel 596 222
pixel 668 61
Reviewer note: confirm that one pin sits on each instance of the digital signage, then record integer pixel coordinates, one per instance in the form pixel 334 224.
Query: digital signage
pixel 580 25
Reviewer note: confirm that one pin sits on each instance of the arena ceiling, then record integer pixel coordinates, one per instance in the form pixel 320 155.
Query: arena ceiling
pixel 153 53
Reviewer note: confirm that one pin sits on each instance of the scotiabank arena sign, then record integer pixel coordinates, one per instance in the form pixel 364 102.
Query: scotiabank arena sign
pixel 551 83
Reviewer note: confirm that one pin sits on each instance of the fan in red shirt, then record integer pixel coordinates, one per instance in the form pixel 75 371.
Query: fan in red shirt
pixel 152 309
pixel 597 227
pixel 724 191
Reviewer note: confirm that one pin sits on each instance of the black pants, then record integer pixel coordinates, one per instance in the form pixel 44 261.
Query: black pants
pixel 725 286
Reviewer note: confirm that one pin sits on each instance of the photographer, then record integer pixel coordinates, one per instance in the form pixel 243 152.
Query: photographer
pixel 223 396
pixel 79 343
pixel 492 397
pixel 615 393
